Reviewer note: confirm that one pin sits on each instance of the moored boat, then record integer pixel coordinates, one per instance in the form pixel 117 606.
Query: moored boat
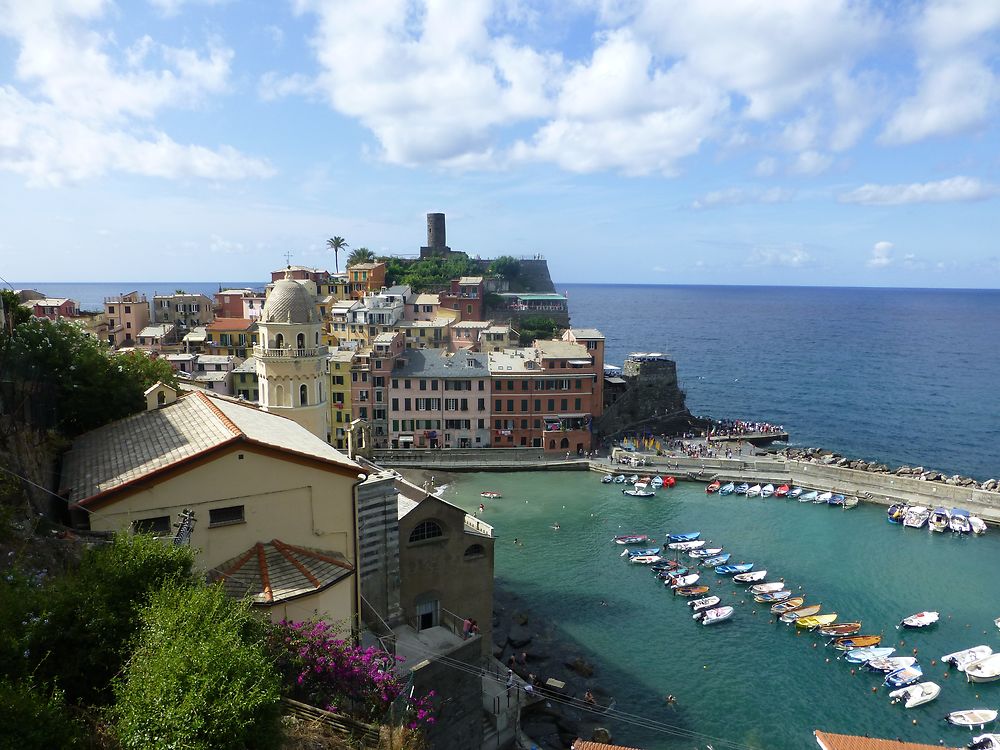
pixel 640 552
pixel 807 611
pixel 808 497
pixel 728 570
pixel 682 581
pixel 795 492
pixel 977 524
pixel 741 489
pixel 704 552
pixel 905 676
pixel 620 479
pixel 815 621
pixel 751 577
pixel 851 502
pixel 669 481
pixel 491 494
pixel 782 490
pixel 713 487
pixel 688 536
pixel 920 620
pixel 754 491
pixel 706 602
pixel 763 588
pixel 865 655
pixel 645 559
pixel 916 695
pixel 848 642
pixel 727 489
pixel 789 604
pixel 713 616
pixel 634 492
pixel 959 521
pixel 972 717
pixel 888 664
pixel 631 539
pixel 767 490
pixel 691 591
pixel 607 479
pixel 683 546
pixel 666 575
pixel 985 742
pixel 984 670
pixel 836 500
pixel 961 659
pixel 895 512
pixel 823 498
pixel 712 562
pixel 772 596
pixel 916 516
pixel 656 481
pixel 939 520
pixel 841 629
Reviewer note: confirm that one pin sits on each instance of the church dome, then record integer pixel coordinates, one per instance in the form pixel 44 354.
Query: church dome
pixel 288 302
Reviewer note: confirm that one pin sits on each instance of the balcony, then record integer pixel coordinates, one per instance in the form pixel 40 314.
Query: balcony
pixel 288 353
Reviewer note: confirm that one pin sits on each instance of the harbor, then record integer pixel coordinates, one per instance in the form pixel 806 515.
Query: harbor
pixel 750 681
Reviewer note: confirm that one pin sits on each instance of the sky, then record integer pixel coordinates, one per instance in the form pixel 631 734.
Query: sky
pixel 803 142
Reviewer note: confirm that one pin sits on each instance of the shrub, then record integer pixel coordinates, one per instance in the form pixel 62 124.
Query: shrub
pixel 32 718
pixel 200 677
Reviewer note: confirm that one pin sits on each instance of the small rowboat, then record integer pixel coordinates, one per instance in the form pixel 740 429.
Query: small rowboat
pixel 754 491
pixel 728 570
pixel 699 605
pixel 916 695
pixel 961 659
pixel 741 489
pixel 669 481
pixel 808 497
pixel 752 577
pixel 763 588
pixel 972 717
pixel 713 616
pixel 691 591
pixel 904 676
pixel 823 498
pixel 713 487
pixel 815 621
pixel 851 502
pixel 985 742
pixel 639 493
pixel 712 562
pixel 490 494
pixel 977 524
pixel 656 482
pixel 688 536
pixel 836 500
pixel 984 670
pixel 788 605
pixel 847 642
pixel 645 559
pixel 640 552
pixel 865 655
pixel 667 565
pixel 666 575
pixel 727 489
pixel 767 490
pixel 632 539
pixel 772 596
pixel 782 491
pixel 795 492
pixel 841 629
pixel 890 663
pixel 683 581
pixel 920 620
pixel 807 611
pixel 607 479
pixel 683 546
pixel 705 552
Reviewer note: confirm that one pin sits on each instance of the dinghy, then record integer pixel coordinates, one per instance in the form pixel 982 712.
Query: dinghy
pixel 632 539
pixel 763 588
pixel 713 616
pixel 984 670
pixel 789 604
pixel 977 524
pixel 689 536
pixel 767 490
pixel 972 717
pixel 754 491
pixel 896 512
pixel 848 642
pixel 752 577
pixel 741 489
pixel 683 581
pixel 905 676
pixel 795 493
pixel 728 570
pixel 707 602
pixel 635 492
pixel 808 497
pixel 888 664
pixel 713 487
pixel 712 562
pixel 959 522
pixel 640 552
pixel 865 655
pixel 705 552
pixel 807 611
pixel 823 498
pixel 645 559
pixel 727 489
pixel 691 591
pixel 782 490
pixel 693 544
pixel 985 742
pixel 841 629
pixel 772 596
pixel 939 520
pixel 916 695
pixel 920 620
pixel 961 659
pixel 815 621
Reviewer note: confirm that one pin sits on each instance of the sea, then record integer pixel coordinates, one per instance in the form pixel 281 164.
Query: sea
pixel 900 376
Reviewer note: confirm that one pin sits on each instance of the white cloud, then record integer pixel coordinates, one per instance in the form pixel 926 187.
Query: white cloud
pixel 787 256
pixel 173 7
pixel 943 191
pixel 881 256
pixel 810 163
pixel 91 104
pixel 737 196
pixel 766 167
pixel 273 86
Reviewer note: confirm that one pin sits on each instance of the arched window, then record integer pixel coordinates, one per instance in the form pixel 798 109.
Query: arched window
pixel 426 530
pixel 552 444
pixel 564 443
pixel 474 551
pixel 303 395
pixel 300 341
pixel 279 342
pixel 279 396
pixel 161 398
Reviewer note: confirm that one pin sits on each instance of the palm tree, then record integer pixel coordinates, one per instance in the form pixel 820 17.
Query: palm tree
pixel 360 255
pixel 336 244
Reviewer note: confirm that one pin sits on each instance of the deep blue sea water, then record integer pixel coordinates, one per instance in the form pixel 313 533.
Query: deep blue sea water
pixel 896 375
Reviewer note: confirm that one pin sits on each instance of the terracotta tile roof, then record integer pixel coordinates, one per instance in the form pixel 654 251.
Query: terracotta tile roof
pixel 590 745
pixel 230 324
pixel 273 572
pixel 830 741
pixel 128 450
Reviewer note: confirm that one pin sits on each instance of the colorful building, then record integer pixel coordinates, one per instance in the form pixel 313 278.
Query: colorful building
pixel 466 297
pixel 54 308
pixel 338 367
pixel 127 314
pixel 366 278
pixel 236 336
pixel 245 383
pixel 370 382
pixel 184 309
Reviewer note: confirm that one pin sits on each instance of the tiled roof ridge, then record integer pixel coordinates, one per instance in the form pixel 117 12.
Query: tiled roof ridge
pixel 226 421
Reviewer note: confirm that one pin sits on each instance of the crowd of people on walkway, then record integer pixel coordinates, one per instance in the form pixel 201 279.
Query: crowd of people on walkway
pixel 737 427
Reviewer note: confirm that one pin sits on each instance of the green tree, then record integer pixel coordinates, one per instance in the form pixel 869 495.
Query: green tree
pixel 360 255
pixel 506 266
pixel 35 718
pixel 336 244
pixel 16 312
pixel 537 327
pixel 200 678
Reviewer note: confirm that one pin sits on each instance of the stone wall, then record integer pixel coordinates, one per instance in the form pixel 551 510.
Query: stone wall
pixel 459 717
pixel 652 401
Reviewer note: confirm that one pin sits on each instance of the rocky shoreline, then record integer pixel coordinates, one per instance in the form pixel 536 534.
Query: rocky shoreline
pixel 830 458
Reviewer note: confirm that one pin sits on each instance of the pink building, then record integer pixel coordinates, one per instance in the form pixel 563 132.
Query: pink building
pixel 55 308
pixel 370 373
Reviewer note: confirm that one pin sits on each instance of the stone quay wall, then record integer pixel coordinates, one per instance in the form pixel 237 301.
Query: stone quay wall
pixel 477 459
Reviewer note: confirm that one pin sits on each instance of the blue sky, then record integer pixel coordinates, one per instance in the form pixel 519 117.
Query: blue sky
pixel 810 142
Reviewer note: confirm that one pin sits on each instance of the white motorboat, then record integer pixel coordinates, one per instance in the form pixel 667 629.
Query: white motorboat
pixel 961 659
pixel 645 559
pixel 916 695
pixel 916 516
pixel 656 482
pixel 972 717
pixel 712 616
pixel 920 620
pixel 984 670
pixel 985 742
pixel 764 588
pixel 939 520
pixel 959 521
pixel 706 602
pixel 767 490
pixel 752 577
pixel 890 663
pixel 682 546
pixel 678 583
pixel 754 491
pixel 607 479
pixel 977 524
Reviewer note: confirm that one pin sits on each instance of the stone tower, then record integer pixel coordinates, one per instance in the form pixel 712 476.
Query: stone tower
pixel 291 362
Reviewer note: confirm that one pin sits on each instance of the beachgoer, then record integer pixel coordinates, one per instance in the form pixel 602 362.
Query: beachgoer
pixel 511 662
pixel 474 630
pixel 523 658
pixel 466 628
pixel 671 700
pixel 510 679
pixel 588 697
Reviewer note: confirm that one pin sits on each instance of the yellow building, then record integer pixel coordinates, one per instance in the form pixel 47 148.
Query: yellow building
pixel 235 336
pixel 274 506
pixel 339 370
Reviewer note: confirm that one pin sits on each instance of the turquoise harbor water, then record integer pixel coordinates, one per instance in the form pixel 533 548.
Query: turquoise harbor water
pixel 749 682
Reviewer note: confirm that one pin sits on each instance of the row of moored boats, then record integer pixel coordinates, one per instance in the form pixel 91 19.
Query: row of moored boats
pixel 802 494
pixel 940 519
pixel 641 486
